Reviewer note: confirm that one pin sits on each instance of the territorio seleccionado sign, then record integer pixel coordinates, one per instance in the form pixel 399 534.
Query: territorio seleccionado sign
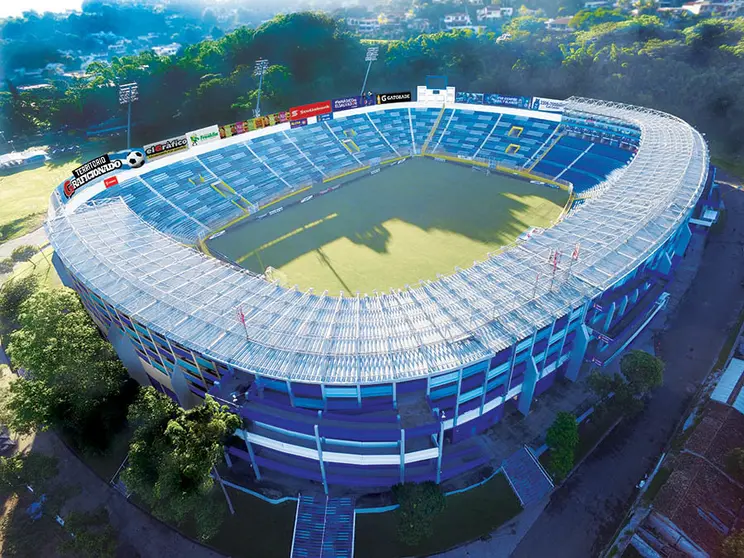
pixel 89 171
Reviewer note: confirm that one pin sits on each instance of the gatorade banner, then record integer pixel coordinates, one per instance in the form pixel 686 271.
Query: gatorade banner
pixel 401 97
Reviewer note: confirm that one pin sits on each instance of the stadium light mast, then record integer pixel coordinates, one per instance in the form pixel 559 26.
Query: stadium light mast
pixel 259 70
pixel 128 93
pixel 369 58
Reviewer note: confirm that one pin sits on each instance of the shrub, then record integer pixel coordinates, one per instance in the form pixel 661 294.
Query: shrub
pixel 419 504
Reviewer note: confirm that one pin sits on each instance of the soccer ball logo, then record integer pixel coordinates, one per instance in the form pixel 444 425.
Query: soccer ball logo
pixel 136 159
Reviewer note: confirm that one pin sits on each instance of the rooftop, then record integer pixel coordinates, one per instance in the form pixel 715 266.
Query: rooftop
pixel 435 327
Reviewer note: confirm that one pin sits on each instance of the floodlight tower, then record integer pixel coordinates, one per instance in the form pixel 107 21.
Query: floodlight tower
pixel 128 93
pixel 259 70
pixel 369 58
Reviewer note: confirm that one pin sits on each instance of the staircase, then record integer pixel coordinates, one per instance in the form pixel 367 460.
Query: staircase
pixel 324 527
pixel 527 477
pixel 433 130
pixel 543 150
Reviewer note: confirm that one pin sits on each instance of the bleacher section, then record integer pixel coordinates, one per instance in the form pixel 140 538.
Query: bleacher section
pixel 324 528
pixel 190 197
pixel 583 163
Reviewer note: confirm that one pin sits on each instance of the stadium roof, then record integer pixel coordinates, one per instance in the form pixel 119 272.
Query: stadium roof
pixel 437 326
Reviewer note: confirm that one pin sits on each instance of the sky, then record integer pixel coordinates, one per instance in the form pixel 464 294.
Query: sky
pixel 10 8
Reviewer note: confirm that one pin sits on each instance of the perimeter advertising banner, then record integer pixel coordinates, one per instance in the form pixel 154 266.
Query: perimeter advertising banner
pixel 548 105
pixel 100 167
pixel 306 111
pixel 237 128
pixel 203 135
pixel 324 117
pixel 400 97
pixel 347 103
pixel 166 147
pixel 298 123
pixel 469 98
pixel 508 100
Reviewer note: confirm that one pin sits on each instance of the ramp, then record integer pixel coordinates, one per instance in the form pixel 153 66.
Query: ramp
pixel 324 528
pixel 527 477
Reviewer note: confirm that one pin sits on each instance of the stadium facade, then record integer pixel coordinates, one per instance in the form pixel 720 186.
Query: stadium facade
pixel 367 390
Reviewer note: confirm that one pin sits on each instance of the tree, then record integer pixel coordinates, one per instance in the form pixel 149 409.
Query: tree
pixel 23 253
pixel 6 266
pixel 643 371
pixel 172 454
pixel 22 470
pixel 562 438
pixel 735 463
pixel 419 504
pixel 91 535
pixel 73 379
pixel 733 545
pixel 13 293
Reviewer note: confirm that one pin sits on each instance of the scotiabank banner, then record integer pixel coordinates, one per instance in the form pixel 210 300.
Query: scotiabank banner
pixel 401 97
pixel 166 147
pixel 306 111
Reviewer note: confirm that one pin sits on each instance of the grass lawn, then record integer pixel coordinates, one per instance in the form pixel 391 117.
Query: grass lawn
pixel 257 528
pixel 657 482
pixel 590 432
pixel 24 197
pixel 41 266
pixel 468 516
pixel 409 222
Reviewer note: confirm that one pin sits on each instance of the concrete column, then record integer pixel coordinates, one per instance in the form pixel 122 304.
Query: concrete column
pixel 623 306
pixel 252 455
pixel 320 460
pixel 441 448
pixel 402 456
pixel 457 400
pixel 578 352
pixel 683 240
pixel 608 319
pixel 289 392
pixel 528 386
pixel 665 264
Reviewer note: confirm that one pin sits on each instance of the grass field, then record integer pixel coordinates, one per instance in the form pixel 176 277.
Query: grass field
pixel 24 197
pixel 409 222
pixel 467 516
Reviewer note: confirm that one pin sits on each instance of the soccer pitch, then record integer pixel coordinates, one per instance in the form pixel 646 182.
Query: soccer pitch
pixel 408 222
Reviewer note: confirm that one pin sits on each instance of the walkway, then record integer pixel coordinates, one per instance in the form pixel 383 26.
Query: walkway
pixel 324 528
pixel 527 477
pixel 34 238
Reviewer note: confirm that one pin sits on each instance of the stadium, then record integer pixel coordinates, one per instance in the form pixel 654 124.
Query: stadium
pixel 385 369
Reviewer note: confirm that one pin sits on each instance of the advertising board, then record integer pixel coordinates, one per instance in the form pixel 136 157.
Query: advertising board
pixel 101 166
pixel 203 135
pixel 166 147
pixel 306 111
pixel 469 98
pixel 508 100
pixel 298 123
pixel 548 105
pixel 400 97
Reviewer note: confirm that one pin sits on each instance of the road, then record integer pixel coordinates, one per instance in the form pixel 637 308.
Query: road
pixel 584 513
pixel 34 238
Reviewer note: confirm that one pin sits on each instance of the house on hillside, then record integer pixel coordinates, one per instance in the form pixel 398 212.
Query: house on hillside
pixel 559 24
pixel 456 20
pixel 490 14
